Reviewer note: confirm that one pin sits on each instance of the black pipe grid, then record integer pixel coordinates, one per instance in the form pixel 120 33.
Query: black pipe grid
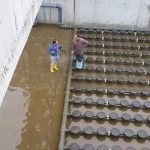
pixel 110 103
pixel 117 61
pixel 104 132
pixel 111 90
pixel 117 53
pixel 111 116
pixel 116 38
pixel 110 69
pixel 102 116
pixel 119 46
pixel 109 79
pixel 75 146
pixel 113 31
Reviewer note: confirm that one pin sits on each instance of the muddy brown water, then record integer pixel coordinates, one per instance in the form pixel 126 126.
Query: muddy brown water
pixel 30 116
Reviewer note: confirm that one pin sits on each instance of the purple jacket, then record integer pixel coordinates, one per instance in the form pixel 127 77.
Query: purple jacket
pixel 79 45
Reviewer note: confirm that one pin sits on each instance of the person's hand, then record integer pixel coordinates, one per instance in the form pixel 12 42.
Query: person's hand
pixel 60 47
pixel 72 52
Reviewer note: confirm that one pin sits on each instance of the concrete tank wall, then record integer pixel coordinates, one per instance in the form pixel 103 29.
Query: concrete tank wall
pixel 16 19
pixel 117 13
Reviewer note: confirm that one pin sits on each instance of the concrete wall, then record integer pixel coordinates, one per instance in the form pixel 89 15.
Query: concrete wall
pixel 114 13
pixel 16 19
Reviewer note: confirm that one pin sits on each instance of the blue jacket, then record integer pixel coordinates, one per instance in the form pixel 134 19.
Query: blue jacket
pixel 54 48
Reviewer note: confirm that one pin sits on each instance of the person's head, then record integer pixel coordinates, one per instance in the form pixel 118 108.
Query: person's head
pixel 77 37
pixel 55 42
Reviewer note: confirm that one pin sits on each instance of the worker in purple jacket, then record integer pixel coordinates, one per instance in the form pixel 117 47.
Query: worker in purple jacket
pixel 78 46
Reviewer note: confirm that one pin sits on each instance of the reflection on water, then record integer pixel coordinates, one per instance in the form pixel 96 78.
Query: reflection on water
pixel 12 117
pixel 32 118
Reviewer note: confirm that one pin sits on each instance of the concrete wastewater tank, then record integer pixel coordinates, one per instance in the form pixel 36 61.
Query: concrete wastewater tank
pixel 108 104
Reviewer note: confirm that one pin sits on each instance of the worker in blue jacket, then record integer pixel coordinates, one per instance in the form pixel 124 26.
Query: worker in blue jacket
pixel 53 50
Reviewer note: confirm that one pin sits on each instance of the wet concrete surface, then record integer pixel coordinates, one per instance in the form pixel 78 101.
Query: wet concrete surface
pixel 30 116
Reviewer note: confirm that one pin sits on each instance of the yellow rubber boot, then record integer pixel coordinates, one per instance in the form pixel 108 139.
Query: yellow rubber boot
pixel 51 68
pixel 55 67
